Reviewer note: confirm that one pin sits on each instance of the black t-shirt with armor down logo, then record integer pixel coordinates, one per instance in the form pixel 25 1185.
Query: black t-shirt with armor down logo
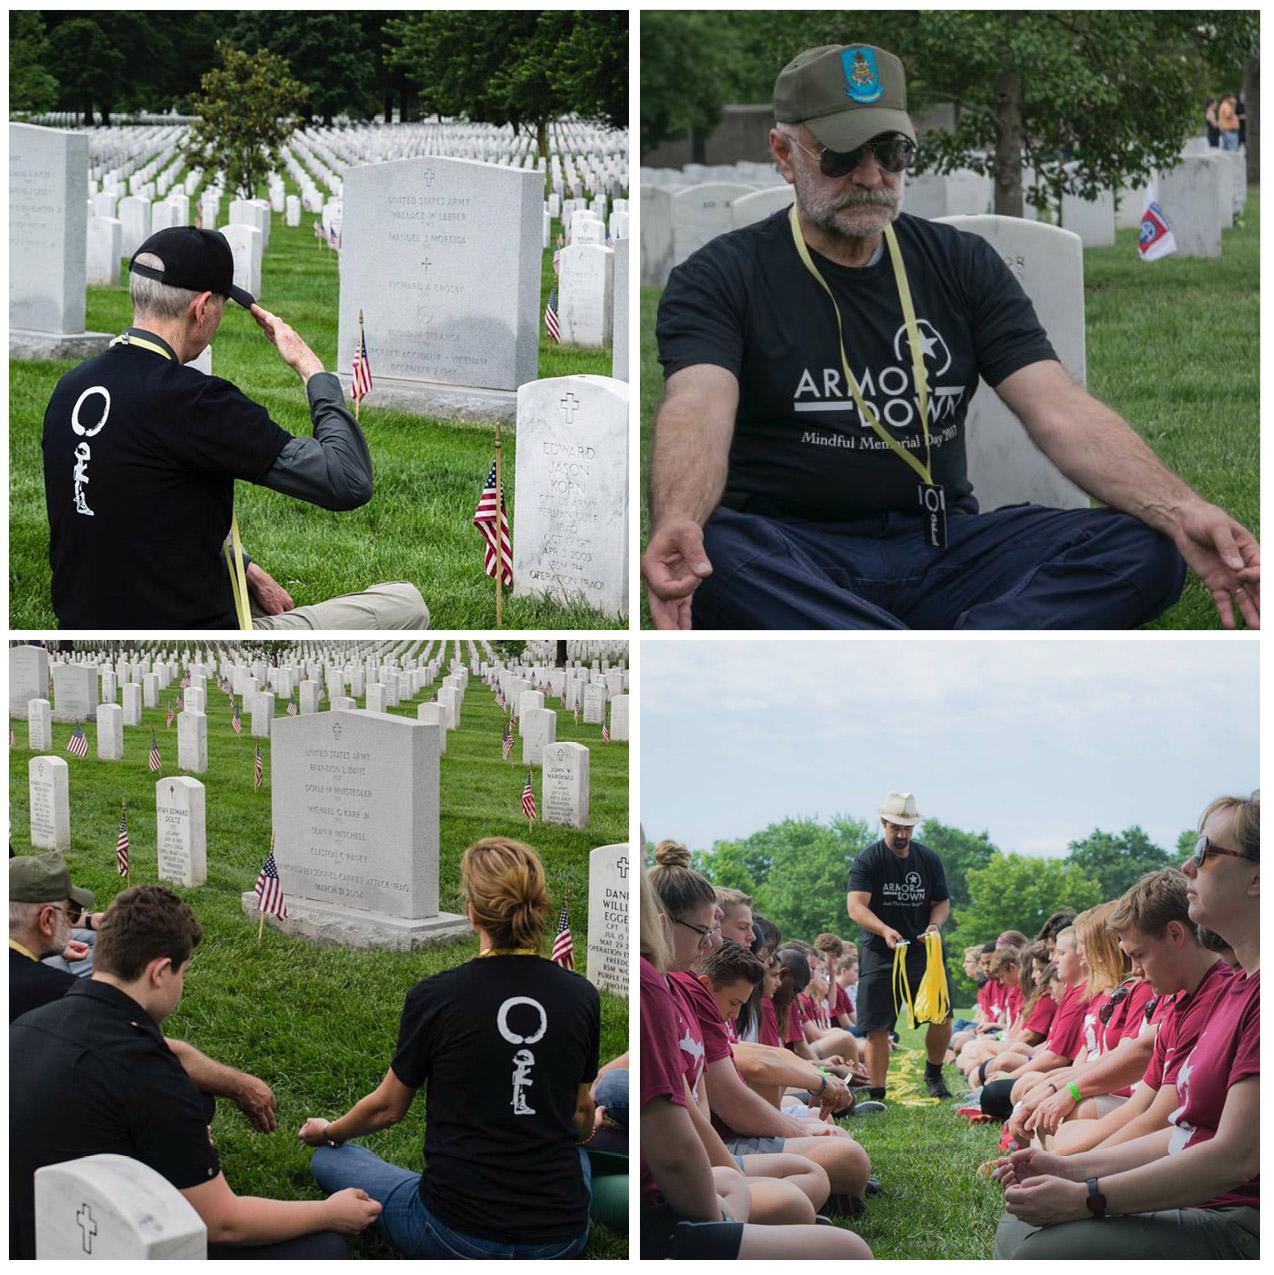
pixel 502 1044
pixel 801 450
pixel 903 891
pixel 140 458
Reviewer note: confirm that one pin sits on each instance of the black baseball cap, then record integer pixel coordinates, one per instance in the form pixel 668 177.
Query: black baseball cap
pixel 197 259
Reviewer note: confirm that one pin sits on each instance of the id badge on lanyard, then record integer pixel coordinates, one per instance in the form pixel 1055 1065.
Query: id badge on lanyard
pixel 931 496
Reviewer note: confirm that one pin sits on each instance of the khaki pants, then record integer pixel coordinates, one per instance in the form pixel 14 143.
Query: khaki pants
pixel 1169 1234
pixel 382 606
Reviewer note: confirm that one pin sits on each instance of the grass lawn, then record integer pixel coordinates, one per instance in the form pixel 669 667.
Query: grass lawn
pixel 933 1205
pixel 318 1024
pixel 428 473
pixel 1173 346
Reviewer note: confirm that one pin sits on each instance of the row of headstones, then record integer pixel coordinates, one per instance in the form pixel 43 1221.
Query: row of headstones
pixel 1199 197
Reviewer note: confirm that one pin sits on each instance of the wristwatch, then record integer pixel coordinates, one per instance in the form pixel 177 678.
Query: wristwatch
pixel 1096 1200
pixel 331 1142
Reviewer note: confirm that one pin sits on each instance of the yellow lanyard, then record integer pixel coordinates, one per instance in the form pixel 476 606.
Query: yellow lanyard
pixel 932 1001
pixel 507 951
pixel 238 577
pixel 913 341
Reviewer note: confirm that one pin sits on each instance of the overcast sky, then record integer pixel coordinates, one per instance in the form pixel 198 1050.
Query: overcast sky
pixel 1035 742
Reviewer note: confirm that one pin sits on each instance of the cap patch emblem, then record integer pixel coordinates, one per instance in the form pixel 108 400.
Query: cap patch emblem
pixel 862 79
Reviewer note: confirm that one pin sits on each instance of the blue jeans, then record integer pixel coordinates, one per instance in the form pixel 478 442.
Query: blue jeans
pixel 405 1222
pixel 1230 140
pixel 1019 567
pixel 611 1092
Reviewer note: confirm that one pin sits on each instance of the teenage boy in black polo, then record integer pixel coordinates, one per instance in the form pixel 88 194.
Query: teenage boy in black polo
pixel 897 892
pixel 108 1083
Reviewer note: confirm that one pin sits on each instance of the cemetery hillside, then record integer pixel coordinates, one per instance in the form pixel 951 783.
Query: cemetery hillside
pixel 451 243
pixel 347 778
pixel 1078 146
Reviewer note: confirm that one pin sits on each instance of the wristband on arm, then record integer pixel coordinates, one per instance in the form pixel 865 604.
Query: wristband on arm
pixel 1073 1090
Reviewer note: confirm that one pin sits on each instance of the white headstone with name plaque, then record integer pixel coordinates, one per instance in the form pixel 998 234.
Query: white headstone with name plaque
pixel 608 918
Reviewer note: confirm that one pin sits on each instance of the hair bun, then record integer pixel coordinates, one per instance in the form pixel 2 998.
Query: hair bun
pixel 672 854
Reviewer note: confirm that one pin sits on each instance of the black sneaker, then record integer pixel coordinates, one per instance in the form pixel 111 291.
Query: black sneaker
pixel 936 1087
pixel 873 1186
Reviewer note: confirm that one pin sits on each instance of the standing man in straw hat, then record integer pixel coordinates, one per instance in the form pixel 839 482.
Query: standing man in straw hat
pixel 809 467
pixel 897 893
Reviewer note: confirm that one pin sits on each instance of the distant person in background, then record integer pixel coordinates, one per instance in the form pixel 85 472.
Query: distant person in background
pixel 1209 122
pixel 1228 122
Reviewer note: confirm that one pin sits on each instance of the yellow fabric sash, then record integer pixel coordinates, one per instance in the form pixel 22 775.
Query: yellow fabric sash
pixel 913 340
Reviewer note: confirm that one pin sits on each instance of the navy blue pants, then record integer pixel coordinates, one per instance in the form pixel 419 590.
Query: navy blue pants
pixel 1020 567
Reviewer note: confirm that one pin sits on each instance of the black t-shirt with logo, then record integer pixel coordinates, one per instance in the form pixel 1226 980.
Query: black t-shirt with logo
pixel 903 891
pixel 140 458
pixel 502 1045
pixel 745 302
pixel 91 1074
pixel 33 983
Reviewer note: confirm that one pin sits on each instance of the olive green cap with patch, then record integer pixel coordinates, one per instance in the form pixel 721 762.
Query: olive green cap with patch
pixel 44 879
pixel 845 94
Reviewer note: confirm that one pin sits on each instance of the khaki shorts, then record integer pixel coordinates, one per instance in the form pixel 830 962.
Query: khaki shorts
pixel 397 605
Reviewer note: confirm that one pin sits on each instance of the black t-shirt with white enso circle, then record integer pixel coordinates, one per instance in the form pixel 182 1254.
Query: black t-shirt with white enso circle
pixel 903 891
pixel 502 1045
pixel 140 458
pixel 801 450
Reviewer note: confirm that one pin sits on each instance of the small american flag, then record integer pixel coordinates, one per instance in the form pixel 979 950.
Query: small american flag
pixel 229 699
pixel 170 712
pixel 13 743
pixel 551 325
pixel 333 240
pixel 258 774
pixel 507 742
pixel 185 682
pixel 292 710
pixel 154 761
pixel 268 889
pixel 605 732
pixel 78 743
pixel 563 944
pixel 362 380
pixel 318 231
pixel 528 797
pixel 484 518
pixel 121 844
pixel 181 707
pixel 557 259
pixel 236 723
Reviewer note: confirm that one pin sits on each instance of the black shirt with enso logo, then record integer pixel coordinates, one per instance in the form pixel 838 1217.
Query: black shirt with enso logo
pixel 140 458
pixel 91 1074
pixel 502 1045
pixel 801 449
pixel 903 891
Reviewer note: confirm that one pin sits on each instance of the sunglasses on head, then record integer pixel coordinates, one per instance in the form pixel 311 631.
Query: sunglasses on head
pixel 893 153
pixel 1203 847
pixel 1109 1007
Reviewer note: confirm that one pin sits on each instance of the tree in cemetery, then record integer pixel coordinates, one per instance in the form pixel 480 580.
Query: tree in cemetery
pixel 523 68
pixel 87 66
pixel 247 110
pixel 334 54
pixel 1116 860
pixel 31 87
pixel 1091 100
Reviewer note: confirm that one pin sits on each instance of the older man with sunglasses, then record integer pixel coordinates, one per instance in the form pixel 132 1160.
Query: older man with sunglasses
pixel 809 464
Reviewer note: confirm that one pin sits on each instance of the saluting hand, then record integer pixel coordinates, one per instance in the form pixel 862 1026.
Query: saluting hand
pixel 292 350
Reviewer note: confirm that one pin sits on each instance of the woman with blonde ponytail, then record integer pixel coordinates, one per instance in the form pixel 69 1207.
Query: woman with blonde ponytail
pixel 507 1045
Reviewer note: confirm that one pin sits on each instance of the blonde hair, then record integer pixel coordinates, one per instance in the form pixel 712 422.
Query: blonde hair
pixel 1107 962
pixel 1151 903
pixel 1246 825
pixel 652 941
pixel 502 881
pixel 678 886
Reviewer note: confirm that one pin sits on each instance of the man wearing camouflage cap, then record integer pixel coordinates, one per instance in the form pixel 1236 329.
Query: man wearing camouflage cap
pixel 809 462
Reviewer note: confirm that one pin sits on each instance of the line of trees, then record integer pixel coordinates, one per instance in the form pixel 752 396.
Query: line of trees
pixel 797 870
pixel 524 68
pixel 1110 93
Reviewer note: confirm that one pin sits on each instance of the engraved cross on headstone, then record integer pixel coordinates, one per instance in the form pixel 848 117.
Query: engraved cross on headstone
pixel 336 730
pixel 88 1227
pixel 622 865
pixel 568 406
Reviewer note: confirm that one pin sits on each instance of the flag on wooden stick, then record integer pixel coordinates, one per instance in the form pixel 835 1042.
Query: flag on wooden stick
pixel 507 742
pixel 258 774
pixel 563 944
pixel 78 743
pixel 492 518
pixel 154 762
pixel 236 724
pixel 528 798
pixel 269 889
pixel 121 843
pixel 361 380
pixel 551 324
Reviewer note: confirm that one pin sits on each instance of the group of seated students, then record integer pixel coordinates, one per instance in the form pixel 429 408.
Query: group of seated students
pixel 748 1057
pixel 505 1045
pixel 1122 1049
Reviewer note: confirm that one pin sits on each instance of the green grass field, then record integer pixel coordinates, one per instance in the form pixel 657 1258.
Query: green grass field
pixel 1173 346
pixel 933 1205
pixel 428 473
pixel 319 1024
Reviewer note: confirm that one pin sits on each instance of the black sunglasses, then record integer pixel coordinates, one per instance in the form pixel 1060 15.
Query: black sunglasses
pixel 893 153
pixel 1120 993
pixel 1203 847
